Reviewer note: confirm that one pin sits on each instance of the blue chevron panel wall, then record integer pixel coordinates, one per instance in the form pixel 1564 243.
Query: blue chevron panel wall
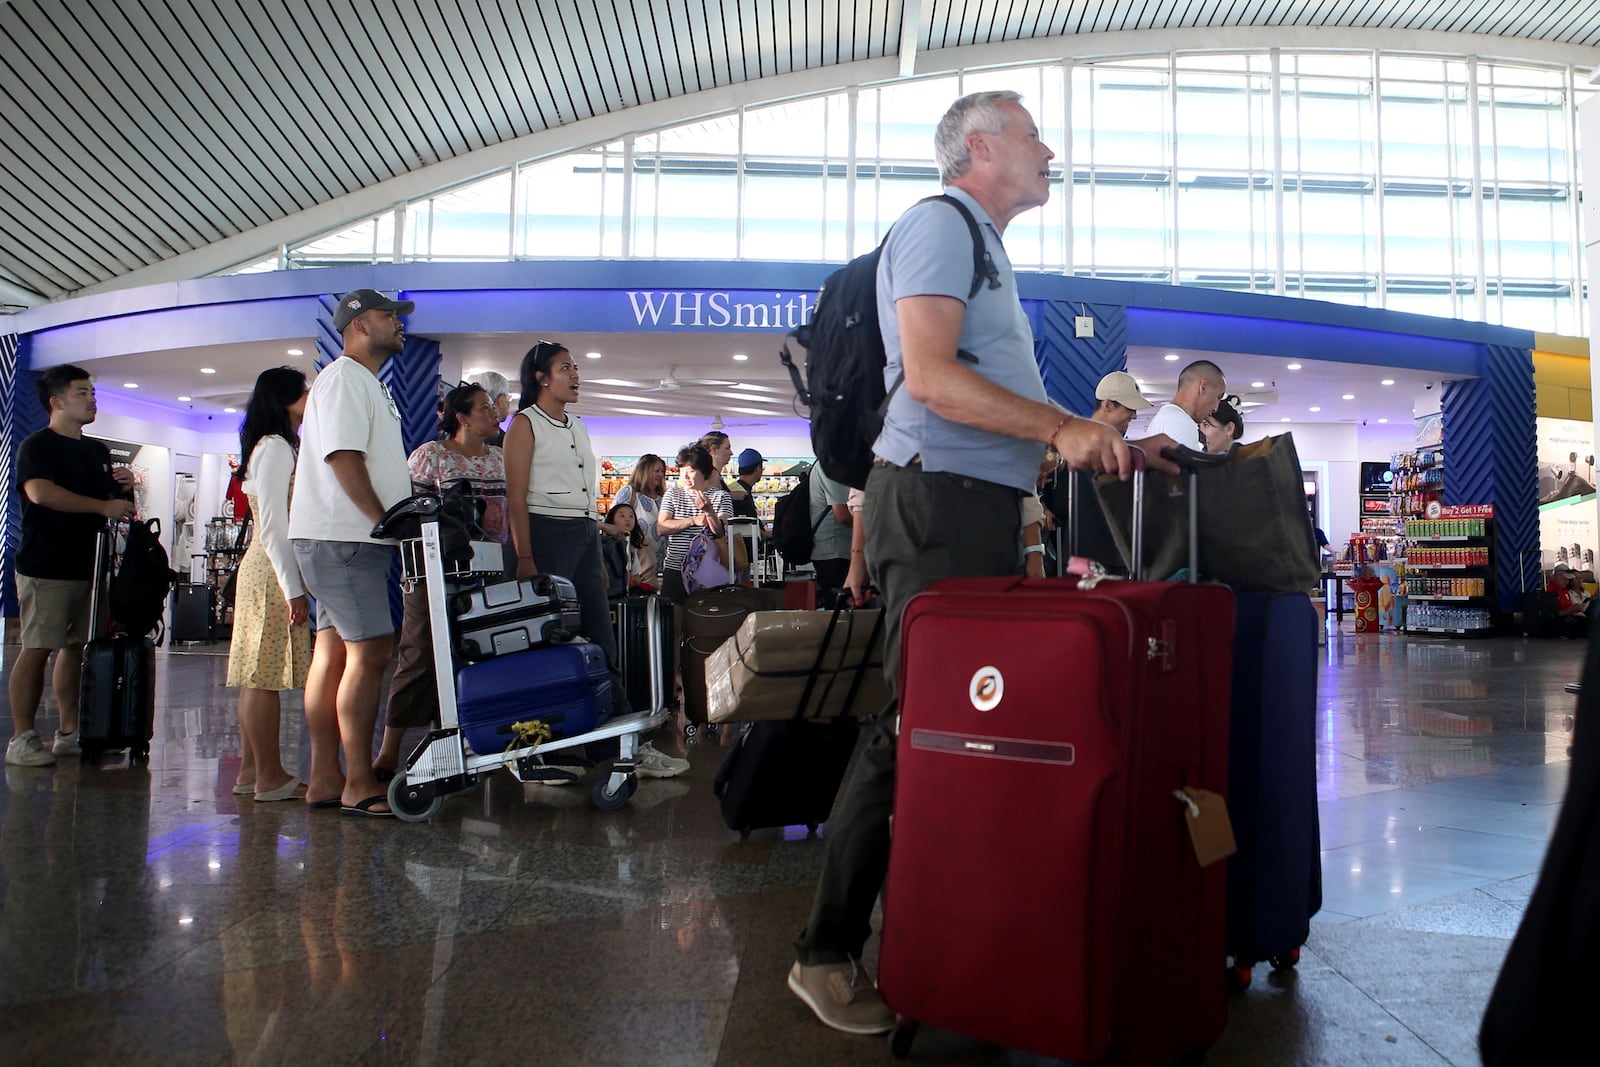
pixel 1491 457
pixel 329 344
pixel 16 400
pixel 1071 365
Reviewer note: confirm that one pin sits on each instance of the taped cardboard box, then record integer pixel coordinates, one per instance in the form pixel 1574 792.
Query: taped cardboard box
pixel 761 672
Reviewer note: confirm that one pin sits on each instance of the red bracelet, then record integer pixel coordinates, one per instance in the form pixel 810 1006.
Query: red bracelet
pixel 1051 440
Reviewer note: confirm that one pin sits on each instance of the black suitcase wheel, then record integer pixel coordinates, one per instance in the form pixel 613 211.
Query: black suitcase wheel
pixel 139 756
pixel 1238 979
pixel 901 1038
pixel 1285 961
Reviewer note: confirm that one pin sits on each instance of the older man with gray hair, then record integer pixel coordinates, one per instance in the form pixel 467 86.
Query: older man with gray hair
pixel 494 383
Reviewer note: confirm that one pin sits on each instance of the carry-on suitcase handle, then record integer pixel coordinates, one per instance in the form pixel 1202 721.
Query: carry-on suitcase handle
pixel 1189 461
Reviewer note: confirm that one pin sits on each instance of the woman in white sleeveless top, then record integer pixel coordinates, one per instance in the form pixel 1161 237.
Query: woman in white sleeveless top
pixel 550 467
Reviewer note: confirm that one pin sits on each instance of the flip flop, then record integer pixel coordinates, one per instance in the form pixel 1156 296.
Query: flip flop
pixel 287 791
pixel 365 808
pixel 331 802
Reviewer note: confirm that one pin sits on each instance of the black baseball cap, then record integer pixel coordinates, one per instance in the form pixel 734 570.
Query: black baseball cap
pixel 356 301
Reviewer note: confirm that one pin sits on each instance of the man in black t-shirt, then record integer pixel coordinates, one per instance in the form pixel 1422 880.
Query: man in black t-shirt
pixel 69 489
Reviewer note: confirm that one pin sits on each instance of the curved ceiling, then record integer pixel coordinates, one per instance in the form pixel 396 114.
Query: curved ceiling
pixel 134 133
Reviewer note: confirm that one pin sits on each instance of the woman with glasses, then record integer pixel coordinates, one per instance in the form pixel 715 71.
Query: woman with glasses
pixel 460 462
pixel 1222 427
pixel 551 481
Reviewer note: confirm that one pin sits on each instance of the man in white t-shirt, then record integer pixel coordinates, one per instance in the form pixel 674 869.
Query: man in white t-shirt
pixel 1200 385
pixel 352 468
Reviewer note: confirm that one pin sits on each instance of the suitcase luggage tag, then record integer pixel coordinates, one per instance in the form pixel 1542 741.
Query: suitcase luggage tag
pixel 1210 829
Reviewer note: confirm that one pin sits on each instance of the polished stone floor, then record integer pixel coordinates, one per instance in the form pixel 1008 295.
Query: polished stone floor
pixel 149 917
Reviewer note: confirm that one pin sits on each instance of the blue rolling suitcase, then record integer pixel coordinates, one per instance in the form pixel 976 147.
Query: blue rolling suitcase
pixel 567 687
pixel 1275 879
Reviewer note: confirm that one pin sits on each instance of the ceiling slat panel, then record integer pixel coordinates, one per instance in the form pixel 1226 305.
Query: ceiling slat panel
pixel 41 109
pixel 260 115
pixel 222 123
pixel 118 134
pixel 303 91
pixel 526 42
pixel 589 55
pixel 475 54
pixel 158 126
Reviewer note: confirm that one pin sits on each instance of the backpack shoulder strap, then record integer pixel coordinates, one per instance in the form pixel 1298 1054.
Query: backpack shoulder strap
pixel 983 265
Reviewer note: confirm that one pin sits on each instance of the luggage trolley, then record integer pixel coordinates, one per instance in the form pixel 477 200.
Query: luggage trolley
pixel 442 763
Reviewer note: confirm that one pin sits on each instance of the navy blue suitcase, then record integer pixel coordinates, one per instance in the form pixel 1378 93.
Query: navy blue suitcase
pixel 567 687
pixel 1275 879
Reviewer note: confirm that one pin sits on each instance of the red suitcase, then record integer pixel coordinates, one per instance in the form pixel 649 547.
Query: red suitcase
pixel 1042 891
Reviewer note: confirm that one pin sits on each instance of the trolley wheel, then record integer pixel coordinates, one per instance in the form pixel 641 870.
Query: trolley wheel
pixel 1285 961
pixel 608 799
pixel 412 803
pixel 901 1038
pixel 1238 979
pixel 690 729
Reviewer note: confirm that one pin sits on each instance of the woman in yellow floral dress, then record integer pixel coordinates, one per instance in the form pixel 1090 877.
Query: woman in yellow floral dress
pixel 271 649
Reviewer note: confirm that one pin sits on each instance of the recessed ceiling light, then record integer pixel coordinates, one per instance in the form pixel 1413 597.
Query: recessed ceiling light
pixel 235 411
pixel 185 399
pixel 208 370
pixel 296 352
pixel 1258 385
pixel 740 357
pixel 130 385
pixel 1383 420
pixel 1294 366
pixel 1316 409
pixel 1171 358
pixel 1284 419
pixel 592 355
pixel 1387 381
pixel 1348 396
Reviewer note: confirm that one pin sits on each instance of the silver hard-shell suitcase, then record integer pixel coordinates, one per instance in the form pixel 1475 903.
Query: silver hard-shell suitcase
pixel 500 618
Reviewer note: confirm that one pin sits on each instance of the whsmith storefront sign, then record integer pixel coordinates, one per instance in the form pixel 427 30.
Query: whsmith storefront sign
pixel 701 309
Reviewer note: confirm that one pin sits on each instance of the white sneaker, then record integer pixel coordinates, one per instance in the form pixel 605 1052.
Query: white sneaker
pixel 653 763
pixel 26 750
pixel 66 744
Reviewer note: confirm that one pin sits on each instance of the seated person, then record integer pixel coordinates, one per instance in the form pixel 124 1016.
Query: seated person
pixel 1570 614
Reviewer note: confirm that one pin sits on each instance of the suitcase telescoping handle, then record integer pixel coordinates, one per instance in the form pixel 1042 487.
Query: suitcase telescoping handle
pixel 100 588
pixel 1189 461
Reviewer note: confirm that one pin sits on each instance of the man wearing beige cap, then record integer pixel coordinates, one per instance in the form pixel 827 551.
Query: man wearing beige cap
pixel 1119 398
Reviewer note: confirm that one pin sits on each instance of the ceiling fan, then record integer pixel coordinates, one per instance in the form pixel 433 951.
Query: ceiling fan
pixel 672 381
pixel 718 424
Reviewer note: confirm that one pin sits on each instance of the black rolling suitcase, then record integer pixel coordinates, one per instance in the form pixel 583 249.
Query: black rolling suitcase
pixel 645 644
pixel 500 618
pixel 117 686
pixel 191 612
pixel 1275 879
pixel 785 772
pixel 710 617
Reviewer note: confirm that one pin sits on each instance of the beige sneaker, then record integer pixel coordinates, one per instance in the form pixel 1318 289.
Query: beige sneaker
pixel 842 996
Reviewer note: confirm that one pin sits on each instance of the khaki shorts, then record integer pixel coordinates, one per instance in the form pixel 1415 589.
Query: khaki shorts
pixel 55 611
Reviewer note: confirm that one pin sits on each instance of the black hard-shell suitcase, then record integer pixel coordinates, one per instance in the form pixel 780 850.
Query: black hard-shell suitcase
pixel 1275 879
pixel 785 772
pixel 191 612
pixel 500 618
pixel 117 684
pixel 645 643
pixel 710 617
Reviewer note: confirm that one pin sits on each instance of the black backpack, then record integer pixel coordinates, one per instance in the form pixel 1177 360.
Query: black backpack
pixel 844 358
pixel 793 532
pixel 139 589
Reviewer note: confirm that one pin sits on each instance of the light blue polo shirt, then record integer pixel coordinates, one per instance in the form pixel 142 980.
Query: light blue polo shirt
pixel 929 253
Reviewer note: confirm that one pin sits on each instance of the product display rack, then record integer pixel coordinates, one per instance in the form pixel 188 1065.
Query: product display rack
pixel 1418 481
pixel 223 552
pixel 1450 562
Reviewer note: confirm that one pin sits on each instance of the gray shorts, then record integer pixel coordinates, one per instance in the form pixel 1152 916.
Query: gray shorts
pixel 350 582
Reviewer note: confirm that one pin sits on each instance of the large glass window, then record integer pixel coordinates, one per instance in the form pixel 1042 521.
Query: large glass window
pixel 1177 173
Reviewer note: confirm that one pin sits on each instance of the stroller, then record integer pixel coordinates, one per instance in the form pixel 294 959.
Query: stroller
pixel 443 762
